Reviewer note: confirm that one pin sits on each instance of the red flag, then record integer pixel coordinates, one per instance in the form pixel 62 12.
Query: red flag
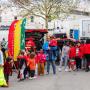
pixel 11 38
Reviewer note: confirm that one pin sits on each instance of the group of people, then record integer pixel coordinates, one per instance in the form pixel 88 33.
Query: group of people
pixel 73 56
pixel 30 65
pixel 76 56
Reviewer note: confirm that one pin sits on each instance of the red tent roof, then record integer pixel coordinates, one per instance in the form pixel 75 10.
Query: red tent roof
pixel 37 30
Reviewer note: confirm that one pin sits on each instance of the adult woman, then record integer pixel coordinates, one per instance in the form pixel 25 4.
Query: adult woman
pixel 65 56
pixel 2 79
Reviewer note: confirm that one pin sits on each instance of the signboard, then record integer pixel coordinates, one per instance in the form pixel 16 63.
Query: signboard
pixel 2 27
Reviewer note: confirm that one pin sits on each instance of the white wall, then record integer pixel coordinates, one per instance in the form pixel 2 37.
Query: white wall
pixel 4 34
pixel 73 22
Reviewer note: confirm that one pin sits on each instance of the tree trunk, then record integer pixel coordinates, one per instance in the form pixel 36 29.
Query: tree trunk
pixel 46 23
pixel 46 26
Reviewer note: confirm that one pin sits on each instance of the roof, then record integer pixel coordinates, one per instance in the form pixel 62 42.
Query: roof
pixel 37 30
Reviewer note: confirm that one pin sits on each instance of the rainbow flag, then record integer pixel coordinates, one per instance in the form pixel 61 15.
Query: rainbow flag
pixel 17 37
pixel 22 41
pixel 11 38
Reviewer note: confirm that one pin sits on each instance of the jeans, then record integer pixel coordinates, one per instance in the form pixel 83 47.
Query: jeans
pixel 54 50
pixel 32 73
pixel 78 63
pixel 53 66
pixel 65 59
pixel 46 52
pixel 84 63
pixel 87 56
pixel 26 72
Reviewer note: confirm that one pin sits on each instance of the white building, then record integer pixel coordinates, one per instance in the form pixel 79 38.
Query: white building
pixel 81 22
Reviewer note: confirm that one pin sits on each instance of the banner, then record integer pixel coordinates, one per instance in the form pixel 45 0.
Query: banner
pixel 11 38
pixel 17 38
pixel 22 41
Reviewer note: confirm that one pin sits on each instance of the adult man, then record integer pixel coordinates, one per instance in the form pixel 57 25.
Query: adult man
pixel 3 47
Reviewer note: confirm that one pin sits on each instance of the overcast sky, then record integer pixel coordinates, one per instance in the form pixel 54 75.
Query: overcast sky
pixel 3 1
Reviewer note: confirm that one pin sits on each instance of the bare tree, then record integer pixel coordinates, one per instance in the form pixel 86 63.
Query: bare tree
pixel 4 5
pixel 47 9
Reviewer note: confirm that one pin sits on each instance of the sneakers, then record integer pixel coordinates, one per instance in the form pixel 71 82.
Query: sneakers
pixel 34 77
pixel 47 73
pixel 31 78
pixel 66 70
pixel 60 69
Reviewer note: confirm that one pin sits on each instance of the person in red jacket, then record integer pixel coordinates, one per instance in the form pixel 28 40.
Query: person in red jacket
pixel 41 62
pixel 72 62
pixel 83 58
pixel 53 46
pixel 78 56
pixel 7 69
pixel 53 42
pixel 87 54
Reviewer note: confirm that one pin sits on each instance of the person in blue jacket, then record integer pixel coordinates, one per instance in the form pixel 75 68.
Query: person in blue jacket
pixel 45 46
pixel 51 61
pixel 50 57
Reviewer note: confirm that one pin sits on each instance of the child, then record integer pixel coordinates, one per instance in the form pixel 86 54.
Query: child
pixel 22 65
pixel 32 65
pixel 53 46
pixel 72 62
pixel 78 57
pixel 27 69
pixel 36 62
pixel 41 63
pixel 7 69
